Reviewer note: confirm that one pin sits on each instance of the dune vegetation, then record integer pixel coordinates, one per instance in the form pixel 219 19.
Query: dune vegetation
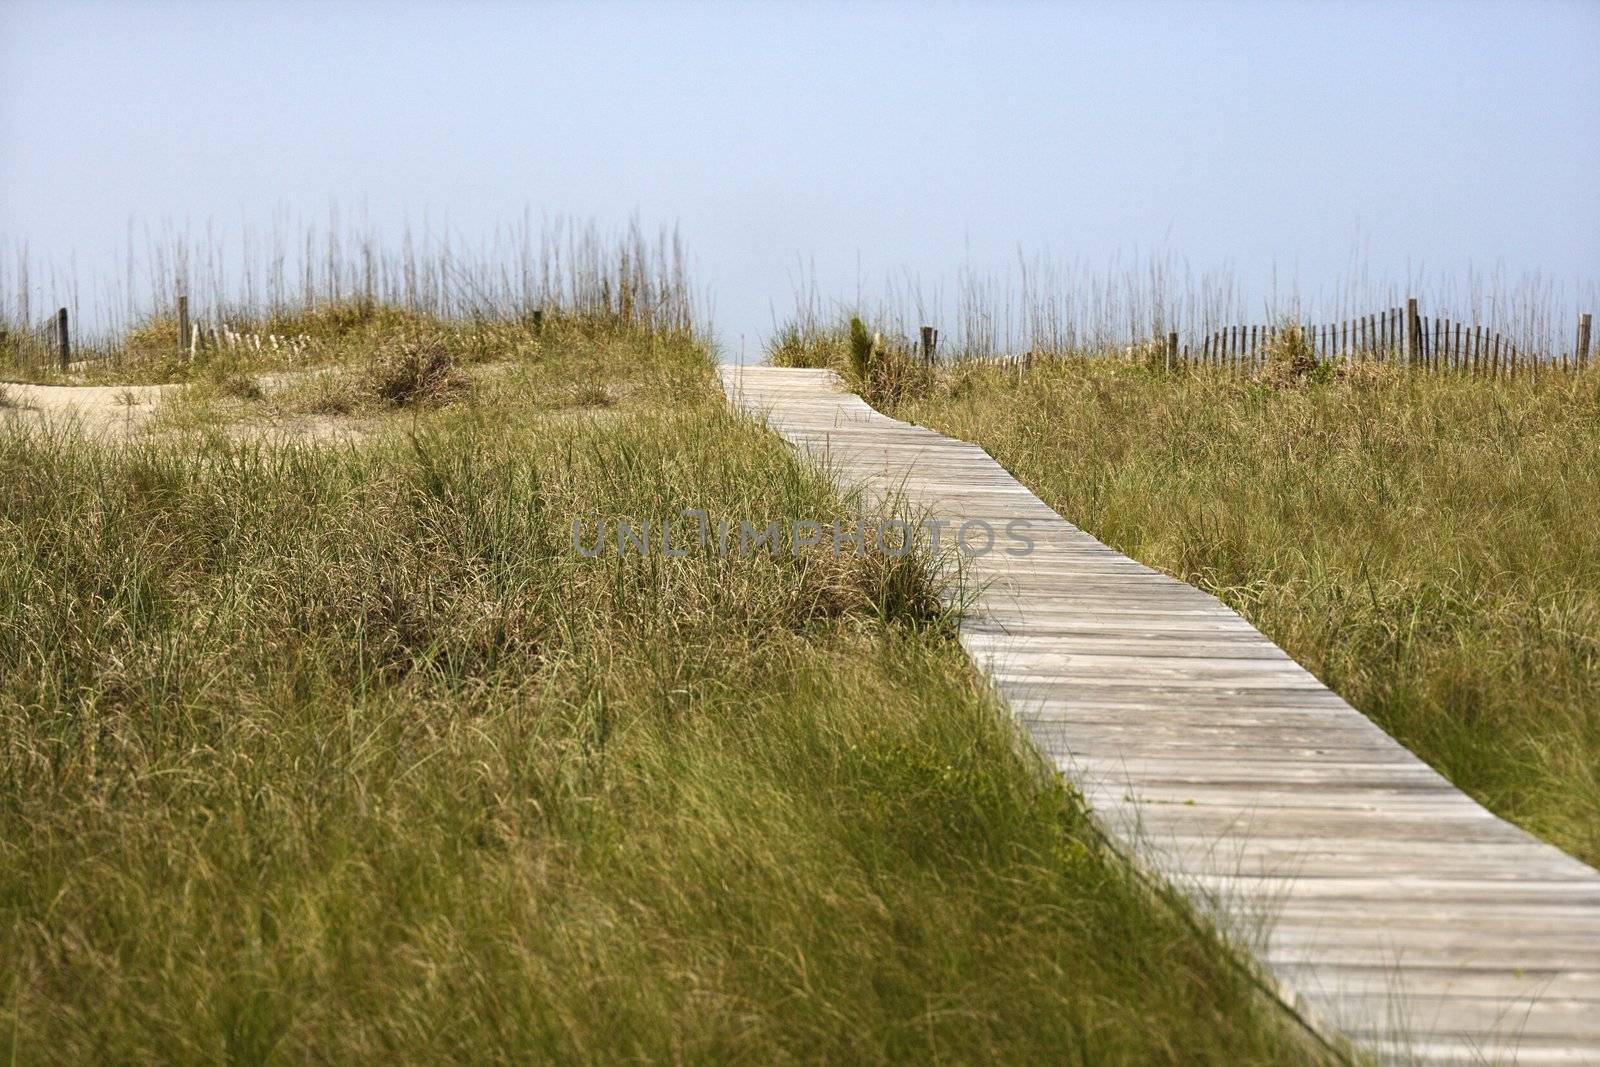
pixel 336 749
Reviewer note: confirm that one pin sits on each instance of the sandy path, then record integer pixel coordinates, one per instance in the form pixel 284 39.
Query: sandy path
pixel 117 410
pixel 122 410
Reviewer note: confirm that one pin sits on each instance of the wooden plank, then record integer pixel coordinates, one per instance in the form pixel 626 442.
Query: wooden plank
pixel 1213 760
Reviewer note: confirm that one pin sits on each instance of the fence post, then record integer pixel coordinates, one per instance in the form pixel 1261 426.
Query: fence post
pixel 1585 324
pixel 930 341
pixel 1413 332
pixel 63 341
pixel 183 321
pixel 1172 349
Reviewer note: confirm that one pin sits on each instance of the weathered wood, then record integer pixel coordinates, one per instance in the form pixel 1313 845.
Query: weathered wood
pixel 183 321
pixel 1413 333
pixel 63 340
pixel 1217 763
pixel 1585 327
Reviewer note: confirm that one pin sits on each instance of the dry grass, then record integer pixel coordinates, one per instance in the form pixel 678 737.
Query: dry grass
pixel 344 754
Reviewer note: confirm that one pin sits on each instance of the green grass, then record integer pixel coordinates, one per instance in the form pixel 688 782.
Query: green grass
pixel 886 371
pixel 813 346
pixel 341 753
pixel 1426 545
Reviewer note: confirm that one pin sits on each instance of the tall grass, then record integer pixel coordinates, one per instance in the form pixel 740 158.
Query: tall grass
pixel 1047 307
pixel 249 283
pixel 342 753
pixel 1425 545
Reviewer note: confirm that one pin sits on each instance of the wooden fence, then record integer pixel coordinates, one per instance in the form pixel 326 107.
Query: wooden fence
pixel 44 345
pixel 1400 336
pixel 1397 335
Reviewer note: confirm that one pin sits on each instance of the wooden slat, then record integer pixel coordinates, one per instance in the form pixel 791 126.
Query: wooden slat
pixel 1378 899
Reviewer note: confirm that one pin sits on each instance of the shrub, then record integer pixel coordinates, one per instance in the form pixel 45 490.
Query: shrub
pixel 862 347
pixel 415 372
pixel 1290 359
pixel 896 375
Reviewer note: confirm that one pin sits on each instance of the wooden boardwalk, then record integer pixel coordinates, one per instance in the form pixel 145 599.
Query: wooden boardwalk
pixel 1379 901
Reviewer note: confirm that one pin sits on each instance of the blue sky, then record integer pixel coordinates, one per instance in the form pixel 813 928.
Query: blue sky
pixel 858 141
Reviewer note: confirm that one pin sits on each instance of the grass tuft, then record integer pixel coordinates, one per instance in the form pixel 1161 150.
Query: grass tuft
pixel 795 346
pixel 415 372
